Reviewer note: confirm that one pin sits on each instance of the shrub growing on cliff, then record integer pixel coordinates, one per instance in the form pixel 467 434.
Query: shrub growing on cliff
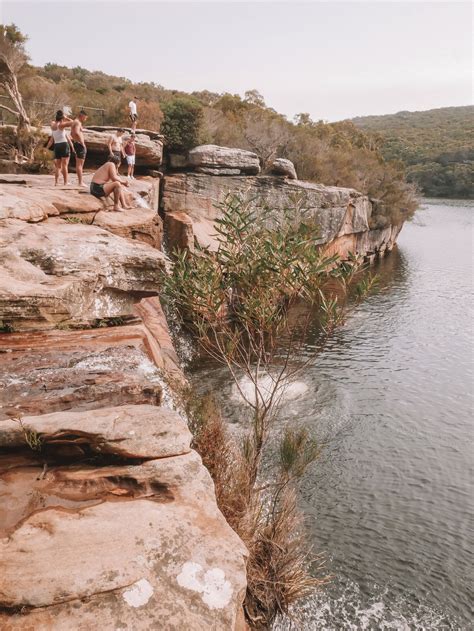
pixel 181 123
pixel 240 303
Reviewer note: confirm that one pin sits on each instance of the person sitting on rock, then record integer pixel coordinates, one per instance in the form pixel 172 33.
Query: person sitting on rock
pixel 106 181
pixel 79 144
pixel 116 146
pixel 61 142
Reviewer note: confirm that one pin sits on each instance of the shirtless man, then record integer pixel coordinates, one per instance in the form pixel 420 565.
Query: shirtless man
pixel 116 146
pixel 79 144
pixel 106 181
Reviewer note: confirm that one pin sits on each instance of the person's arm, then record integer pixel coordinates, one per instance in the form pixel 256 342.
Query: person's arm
pixel 66 122
pixel 114 176
pixel 68 138
pixel 50 142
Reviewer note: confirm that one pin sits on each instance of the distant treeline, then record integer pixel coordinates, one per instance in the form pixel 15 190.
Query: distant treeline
pixel 339 154
pixel 436 147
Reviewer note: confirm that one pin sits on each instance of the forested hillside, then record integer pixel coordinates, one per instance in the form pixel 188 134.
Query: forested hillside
pixel 436 146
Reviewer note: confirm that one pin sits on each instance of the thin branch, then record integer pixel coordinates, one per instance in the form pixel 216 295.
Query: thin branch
pixel 8 109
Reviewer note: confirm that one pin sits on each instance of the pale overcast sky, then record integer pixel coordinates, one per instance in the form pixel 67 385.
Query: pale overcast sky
pixel 331 59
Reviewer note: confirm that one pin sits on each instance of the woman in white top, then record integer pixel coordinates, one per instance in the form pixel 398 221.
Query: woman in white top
pixel 61 145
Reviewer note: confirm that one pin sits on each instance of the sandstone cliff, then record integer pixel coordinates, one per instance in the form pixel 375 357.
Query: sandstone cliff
pixel 111 520
pixel 108 518
pixel 344 216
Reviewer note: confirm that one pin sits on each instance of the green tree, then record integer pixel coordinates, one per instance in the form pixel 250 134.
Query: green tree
pixel 181 123
pixel 238 302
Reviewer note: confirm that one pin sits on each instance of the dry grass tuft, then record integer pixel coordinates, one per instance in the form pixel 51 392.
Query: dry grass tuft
pixel 267 520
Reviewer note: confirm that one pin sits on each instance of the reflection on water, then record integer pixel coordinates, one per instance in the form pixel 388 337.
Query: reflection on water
pixel 391 399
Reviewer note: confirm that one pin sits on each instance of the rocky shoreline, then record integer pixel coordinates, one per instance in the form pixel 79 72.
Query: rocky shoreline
pixel 111 518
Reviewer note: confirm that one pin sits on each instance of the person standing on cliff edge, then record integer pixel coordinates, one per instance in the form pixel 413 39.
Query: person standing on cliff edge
pixel 79 144
pixel 61 142
pixel 116 146
pixel 130 151
pixel 133 115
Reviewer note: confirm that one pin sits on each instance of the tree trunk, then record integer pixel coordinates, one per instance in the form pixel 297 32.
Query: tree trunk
pixel 23 129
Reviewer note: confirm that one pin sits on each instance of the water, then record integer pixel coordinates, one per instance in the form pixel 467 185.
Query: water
pixel 390 501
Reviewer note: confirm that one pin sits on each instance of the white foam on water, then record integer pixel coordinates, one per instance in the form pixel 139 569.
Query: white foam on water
pixel 353 611
pixel 139 201
pixel 286 390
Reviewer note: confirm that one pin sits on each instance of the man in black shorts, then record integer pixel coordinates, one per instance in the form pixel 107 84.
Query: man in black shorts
pixel 79 144
pixel 106 181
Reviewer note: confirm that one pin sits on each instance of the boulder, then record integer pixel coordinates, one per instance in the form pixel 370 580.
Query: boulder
pixel 114 543
pixel 282 166
pixel 215 157
pixel 149 150
pixel 179 230
pixel 59 273
pixel 137 224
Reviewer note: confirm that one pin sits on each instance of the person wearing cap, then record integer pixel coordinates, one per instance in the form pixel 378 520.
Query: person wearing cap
pixel 133 115
pixel 79 144
pixel 130 151
pixel 106 181
pixel 116 146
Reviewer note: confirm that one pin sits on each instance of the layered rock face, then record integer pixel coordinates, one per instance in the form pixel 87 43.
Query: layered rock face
pixel 191 205
pixel 113 525
pixel 108 519
pixel 65 260
pixel 71 274
pixel 149 146
pixel 34 198
pixel 215 160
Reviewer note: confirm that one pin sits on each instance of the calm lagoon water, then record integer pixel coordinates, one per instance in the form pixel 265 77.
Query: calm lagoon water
pixel 391 398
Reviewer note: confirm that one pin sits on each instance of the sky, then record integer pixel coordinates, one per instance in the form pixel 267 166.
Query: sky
pixel 334 60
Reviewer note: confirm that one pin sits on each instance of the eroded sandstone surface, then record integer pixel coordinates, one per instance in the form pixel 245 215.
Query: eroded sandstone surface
pixel 34 198
pixel 191 204
pixel 216 160
pixel 108 519
pixel 61 273
pixel 112 524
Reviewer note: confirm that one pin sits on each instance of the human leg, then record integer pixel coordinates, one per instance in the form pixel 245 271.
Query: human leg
pixel 64 166
pixel 123 200
pixel 79 168
pixel 115 188
pixel 57 168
